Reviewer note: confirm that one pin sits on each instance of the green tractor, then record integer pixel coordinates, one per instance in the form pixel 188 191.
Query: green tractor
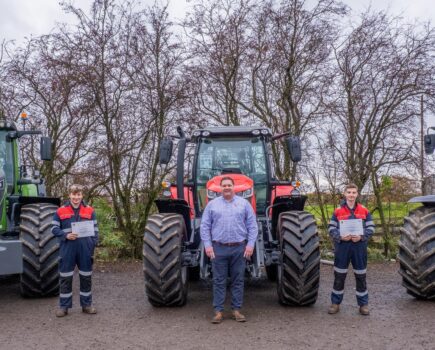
pixel 417 243
pixel 27 246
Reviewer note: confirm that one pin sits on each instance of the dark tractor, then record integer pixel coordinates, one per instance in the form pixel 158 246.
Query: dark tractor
pixel 27 246
pixel 287 247
pixel 417 243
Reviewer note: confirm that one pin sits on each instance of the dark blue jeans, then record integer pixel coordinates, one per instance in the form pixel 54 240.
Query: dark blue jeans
pixel 228 259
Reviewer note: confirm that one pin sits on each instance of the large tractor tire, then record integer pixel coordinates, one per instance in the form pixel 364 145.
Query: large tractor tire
pixel 40 277
pixel 165 277
pixel 299 270
pixel 417 253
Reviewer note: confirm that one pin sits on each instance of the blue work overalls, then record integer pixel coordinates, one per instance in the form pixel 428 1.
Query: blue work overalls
pixel 348 251
pixel 75 252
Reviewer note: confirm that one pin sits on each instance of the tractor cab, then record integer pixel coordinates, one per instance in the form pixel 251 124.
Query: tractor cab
pixel 238 152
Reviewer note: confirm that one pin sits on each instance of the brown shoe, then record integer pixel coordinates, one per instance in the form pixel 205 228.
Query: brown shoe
pixel 89 310
pixel 364 310
pixel 333 309
pixel 217 318
pixel 61 312
pixel 238 316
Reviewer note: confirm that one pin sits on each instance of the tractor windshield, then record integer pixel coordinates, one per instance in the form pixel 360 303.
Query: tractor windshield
pixel 237 155
pixel 7 160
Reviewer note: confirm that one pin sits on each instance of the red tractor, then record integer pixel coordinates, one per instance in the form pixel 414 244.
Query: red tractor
pixel 287 247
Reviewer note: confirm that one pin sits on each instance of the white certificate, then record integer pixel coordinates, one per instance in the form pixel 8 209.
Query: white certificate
pixel 351 227
pixel 83 228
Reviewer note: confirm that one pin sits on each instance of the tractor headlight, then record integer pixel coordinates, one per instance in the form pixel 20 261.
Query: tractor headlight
pixel 296 193
pixel 166 193
pixel 166 184
pixel 245 194
pixel 212 194
pixel 256 132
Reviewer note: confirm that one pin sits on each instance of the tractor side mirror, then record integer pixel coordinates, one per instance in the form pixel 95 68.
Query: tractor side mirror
pixel 165 150
pixel 294 148
pixel 429 143
pixel 45 148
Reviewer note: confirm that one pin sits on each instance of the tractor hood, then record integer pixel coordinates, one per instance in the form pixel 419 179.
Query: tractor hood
pixel 242 183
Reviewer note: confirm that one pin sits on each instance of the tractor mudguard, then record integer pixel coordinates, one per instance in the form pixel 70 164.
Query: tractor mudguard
pixel 282 204
pixel 425 200
pixel 16 202
pixel 178 206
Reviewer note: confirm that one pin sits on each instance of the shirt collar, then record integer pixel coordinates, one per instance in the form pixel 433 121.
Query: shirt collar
pixel 229 201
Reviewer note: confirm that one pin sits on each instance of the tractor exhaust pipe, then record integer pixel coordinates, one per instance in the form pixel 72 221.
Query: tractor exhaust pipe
pixel 180 163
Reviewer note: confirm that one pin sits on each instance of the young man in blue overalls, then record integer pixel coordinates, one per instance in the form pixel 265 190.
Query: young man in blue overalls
pixel 350 248
pixel 75 250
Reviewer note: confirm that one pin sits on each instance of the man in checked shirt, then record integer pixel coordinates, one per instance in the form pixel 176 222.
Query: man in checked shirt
pixel 229 231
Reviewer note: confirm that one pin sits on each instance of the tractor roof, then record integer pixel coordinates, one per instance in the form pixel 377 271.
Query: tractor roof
pixel 233 131
pixel 7 125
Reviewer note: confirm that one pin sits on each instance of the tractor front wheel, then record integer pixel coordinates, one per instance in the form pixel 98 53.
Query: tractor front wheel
pixel 299 269
pixel 40 275
pixel 165 277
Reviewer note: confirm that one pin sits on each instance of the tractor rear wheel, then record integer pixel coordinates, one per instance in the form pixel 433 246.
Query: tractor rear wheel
pixel 299 271
pixel 165 277
pixel 417 253
pixel 40 275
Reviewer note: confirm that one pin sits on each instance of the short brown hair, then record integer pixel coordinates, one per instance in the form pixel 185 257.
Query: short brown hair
pixel 227 178
pixel 76 188
pixel 349 186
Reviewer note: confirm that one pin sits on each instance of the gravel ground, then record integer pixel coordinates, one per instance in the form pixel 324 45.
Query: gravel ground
pixel 127 321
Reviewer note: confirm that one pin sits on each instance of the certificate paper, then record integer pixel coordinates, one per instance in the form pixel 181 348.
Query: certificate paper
pixel 83 228
pixel 351 227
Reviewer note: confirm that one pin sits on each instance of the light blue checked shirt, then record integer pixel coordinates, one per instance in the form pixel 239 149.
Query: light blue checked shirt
pixel 229 222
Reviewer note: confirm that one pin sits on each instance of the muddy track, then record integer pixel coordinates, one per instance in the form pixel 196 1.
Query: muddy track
pixel 127 321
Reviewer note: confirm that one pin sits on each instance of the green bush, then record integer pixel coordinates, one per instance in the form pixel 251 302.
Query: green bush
pixel 111 241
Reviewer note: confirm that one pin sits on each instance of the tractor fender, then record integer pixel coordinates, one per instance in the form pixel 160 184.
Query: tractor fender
pixel 178 206
pixel 425 200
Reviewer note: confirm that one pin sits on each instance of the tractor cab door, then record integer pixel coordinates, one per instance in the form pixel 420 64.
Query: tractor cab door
pixel 7 161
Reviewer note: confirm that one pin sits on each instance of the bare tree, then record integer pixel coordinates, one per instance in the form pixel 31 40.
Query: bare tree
pixel 129 65
pixel 48 89
pixel 218 33
pixel 289 68
pixel 383 67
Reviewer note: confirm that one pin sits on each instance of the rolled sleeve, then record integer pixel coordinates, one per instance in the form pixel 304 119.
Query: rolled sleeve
pixel 251 225
pixel 205 228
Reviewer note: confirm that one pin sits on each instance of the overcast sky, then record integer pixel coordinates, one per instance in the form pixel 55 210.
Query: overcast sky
pixel 24 18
